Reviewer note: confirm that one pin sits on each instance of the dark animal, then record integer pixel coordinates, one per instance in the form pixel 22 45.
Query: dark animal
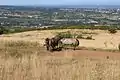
pixel 47 43
pixel 59 42
pixel 52 43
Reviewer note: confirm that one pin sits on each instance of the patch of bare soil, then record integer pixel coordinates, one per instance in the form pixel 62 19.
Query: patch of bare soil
pixel 86 53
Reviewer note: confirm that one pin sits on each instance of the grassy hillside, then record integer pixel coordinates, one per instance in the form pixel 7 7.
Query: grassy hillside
pixel 22 60
pixel 88 38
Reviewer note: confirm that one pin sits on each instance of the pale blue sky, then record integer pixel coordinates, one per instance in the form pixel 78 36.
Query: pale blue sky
pixel 59 2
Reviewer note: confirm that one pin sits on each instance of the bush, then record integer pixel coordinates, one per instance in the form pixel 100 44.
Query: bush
pixel 80 36
pixel 112 31
pixel 70 35
pixel 65 35
pixel 119 47
pixel 2 30
pixel 89 37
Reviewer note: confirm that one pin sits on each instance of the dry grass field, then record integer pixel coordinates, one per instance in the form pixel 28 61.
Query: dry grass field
pixel 22 57
pixel 103 39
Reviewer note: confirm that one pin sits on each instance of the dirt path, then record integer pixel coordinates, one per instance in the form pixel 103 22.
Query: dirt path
pixel 87 53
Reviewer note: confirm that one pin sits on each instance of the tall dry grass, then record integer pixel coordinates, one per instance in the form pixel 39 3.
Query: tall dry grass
pixel 29 61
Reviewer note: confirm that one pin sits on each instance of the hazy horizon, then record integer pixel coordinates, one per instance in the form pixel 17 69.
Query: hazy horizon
pixel 61 2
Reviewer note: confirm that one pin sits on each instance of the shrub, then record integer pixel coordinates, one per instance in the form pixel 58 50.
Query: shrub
pixel 70 35
pixel 80 36
pixel 85 32
pixel 65 35
pixel 119 47
pixel 89 37
pixel 112 31
pixel 2 30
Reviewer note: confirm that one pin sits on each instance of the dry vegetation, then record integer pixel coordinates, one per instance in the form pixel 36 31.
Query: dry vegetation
pixel 23 58
pixel 103 39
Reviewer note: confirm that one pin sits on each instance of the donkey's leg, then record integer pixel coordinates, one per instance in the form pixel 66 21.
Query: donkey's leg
pixel 74 48
pixel 51 49
pixel 47 48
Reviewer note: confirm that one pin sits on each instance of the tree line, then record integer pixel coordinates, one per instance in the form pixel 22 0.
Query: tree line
pixel 7 30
